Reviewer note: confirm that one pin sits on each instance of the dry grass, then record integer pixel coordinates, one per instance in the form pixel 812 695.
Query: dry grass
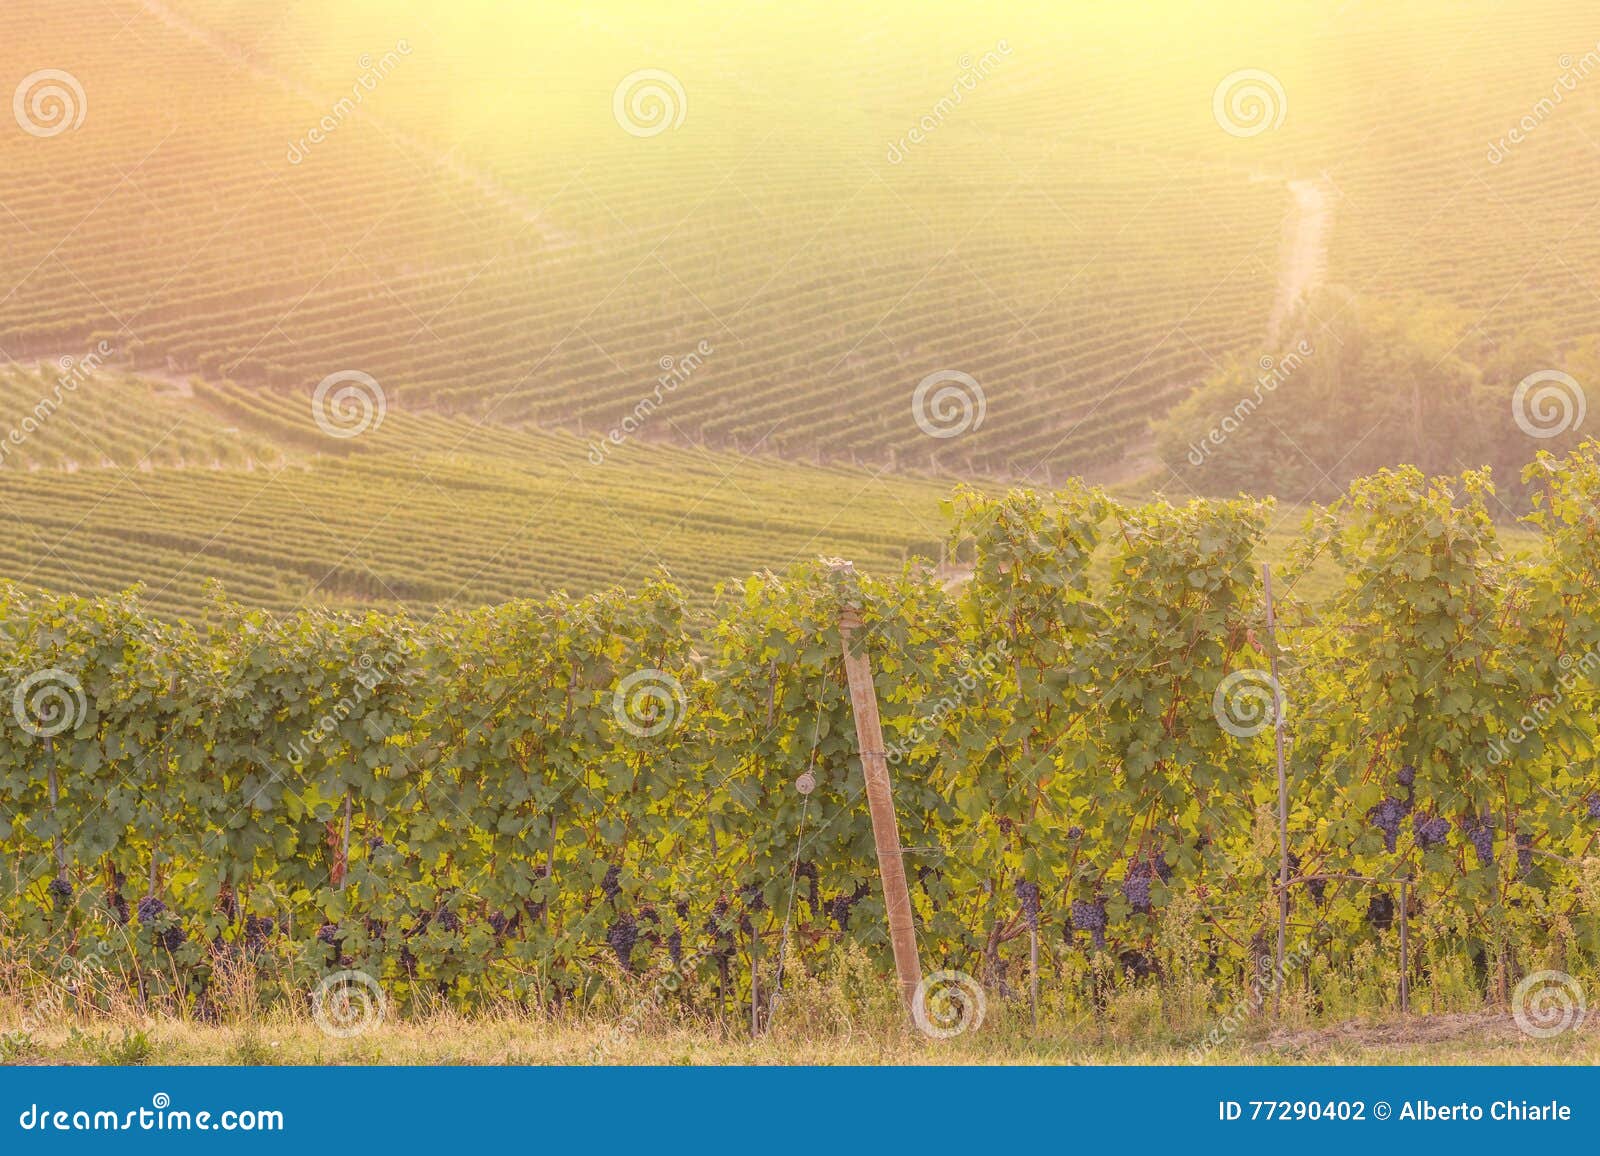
pixel 518 1038
pixel 844 1014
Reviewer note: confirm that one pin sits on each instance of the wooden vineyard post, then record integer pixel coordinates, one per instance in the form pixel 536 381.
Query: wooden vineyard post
pixel 1283 797
pixel 880 802
pixel 1405 953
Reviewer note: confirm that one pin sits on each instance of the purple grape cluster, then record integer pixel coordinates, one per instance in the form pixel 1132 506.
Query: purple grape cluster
pixel 1594 807
pixel 714 926
pixel 1386 817
pixel 839 906
pixel 1317 887
pixel 839 910
pixel 1431 830
pixel 328 933
pixel 449 920
pixel 61 893
pixel 753 896
pixel 1090 915
pixel 622 935
pixel 1138 965
pixel 1380 912
pixel 152 910
pixel 257 930
pixel 1407 776
pixel 1136 887
pixel 1524 854
pixel 1142 870
pixel 611 885
pixel 1479 830
pixel 1074 833
pixel 1027 893
pixel 718 910
pixel 808 872
pixel 500 923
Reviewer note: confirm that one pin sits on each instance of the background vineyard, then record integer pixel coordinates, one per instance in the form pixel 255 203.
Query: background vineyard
pixel 525 800
pixel 482 258
pixel 133 480
pixel 495 249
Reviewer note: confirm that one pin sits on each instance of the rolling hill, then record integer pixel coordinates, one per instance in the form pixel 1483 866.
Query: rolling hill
pixel 811 280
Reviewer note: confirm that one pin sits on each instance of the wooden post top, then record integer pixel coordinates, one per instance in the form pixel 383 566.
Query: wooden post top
pixel 843 570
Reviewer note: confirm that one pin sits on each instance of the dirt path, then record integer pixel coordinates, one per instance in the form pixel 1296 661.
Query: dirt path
pixel 1305 250
pixel 1302 263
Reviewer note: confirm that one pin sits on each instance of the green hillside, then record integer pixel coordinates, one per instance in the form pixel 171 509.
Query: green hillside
pixel 131 480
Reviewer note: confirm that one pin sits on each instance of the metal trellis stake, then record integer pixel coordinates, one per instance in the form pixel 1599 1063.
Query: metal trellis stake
pixel 880 802
pixel 1283 796
pixel 1405 952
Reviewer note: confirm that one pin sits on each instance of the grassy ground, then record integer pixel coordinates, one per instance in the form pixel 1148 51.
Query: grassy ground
pixel 1480 1038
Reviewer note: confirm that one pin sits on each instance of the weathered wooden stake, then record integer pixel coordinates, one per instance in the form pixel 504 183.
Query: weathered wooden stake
pixel 880 802
pixel 1283 796
pixel 57 844
pixel 1405 953
pixel 1033 975
pixel 755 980
pixel 344 843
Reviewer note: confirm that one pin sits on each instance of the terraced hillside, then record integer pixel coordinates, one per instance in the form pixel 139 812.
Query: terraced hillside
pixel 541 277
pixel 130 480
pixel 1048 212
